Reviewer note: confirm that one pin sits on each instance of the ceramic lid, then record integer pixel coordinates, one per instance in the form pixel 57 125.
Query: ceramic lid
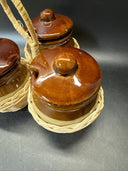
pixel 52 26
pixel 65 76
pixel 9 55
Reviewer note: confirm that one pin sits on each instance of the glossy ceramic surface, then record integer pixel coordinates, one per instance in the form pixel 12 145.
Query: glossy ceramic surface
pixel 57 88
pixel 64 113
pixel 9 55
pixel 13 80
pixel 51 26
pixel 65 63
pixel 12 72
pixel 66 40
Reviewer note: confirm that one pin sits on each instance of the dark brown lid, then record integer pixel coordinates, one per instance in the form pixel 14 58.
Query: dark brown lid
pixel 65 76
pixel 9 55
pixel 51 26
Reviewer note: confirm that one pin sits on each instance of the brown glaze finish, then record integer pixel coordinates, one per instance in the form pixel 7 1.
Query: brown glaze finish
pixel 65 91
pixel 12 73
pixel 63 113
pixel 50 26
pixel 69 43
pixel 65 63
pixel 47 15
pixel 8 76
pixel 65 40
pixel 13 80
pixel 9 55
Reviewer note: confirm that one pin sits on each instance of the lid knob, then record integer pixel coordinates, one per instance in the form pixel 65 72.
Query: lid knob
pixel 65 63
pixel 47 15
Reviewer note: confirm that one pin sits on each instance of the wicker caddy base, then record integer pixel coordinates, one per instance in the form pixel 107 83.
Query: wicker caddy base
pixel 32 49
pixel 87 120
pixel 18 99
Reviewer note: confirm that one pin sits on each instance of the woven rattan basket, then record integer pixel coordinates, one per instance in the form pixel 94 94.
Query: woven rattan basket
pixel 32 50
pixel 80 124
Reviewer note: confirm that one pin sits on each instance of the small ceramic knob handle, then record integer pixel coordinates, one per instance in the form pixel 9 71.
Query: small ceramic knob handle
pixel 47 15
pixel 65 63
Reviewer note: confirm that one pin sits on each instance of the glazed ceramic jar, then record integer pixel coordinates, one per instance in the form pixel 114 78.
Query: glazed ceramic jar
pixel 64 84
pixel 13 73
pixel 53 29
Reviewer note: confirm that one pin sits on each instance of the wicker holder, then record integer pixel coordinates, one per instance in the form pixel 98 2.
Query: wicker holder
pixel 18 99
pixel 87 120
pixel 31 50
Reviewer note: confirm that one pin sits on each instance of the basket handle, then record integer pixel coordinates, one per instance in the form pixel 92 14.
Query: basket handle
pixel 31 39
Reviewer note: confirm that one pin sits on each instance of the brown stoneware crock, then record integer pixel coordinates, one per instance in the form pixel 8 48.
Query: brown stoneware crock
pixel 53 29
pixel 64 84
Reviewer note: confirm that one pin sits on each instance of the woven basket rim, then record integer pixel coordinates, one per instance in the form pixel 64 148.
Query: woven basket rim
pixel 95 112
